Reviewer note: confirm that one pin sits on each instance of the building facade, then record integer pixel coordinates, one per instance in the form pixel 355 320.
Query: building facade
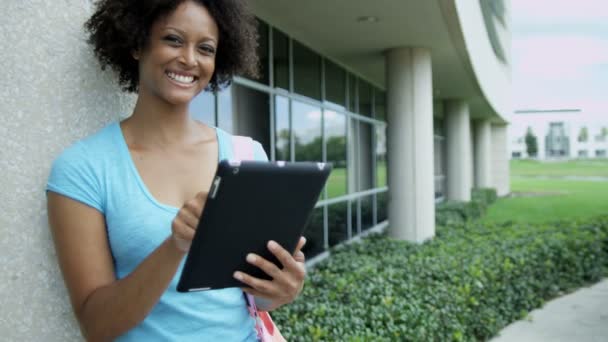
pixel 560 134
pixel 408 100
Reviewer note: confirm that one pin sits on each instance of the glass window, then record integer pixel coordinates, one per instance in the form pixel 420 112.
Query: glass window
pixel 282 132
pixel 335 84
pixel 381 178
pixel 338 223
pixel 380 104
pixel 202 108
pixel 306 71
pixel 352 93
pixel 314 234
pixel 224 111
pixel 306 125
pixel 280 49
pixel 354 216
pixel 335 135
pixel 262 52
pixel 364 156
pixel 382 206
pixel 251 114
pixel 367 212
pixel 365 98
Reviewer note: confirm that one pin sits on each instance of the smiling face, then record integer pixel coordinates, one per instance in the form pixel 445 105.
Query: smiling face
pixel 179 58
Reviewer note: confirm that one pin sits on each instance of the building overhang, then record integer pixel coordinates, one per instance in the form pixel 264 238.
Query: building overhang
pixel 332 28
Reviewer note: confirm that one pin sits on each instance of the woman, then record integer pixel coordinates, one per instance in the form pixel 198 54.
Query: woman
pixel 123 204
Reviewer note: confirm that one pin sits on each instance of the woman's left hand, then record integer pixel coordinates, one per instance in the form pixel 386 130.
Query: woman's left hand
pixel 286 283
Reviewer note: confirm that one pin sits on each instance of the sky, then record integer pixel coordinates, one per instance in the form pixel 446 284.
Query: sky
pixel 560 55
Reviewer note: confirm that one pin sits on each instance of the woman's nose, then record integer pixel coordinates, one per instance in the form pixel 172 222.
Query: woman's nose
pixel 188 56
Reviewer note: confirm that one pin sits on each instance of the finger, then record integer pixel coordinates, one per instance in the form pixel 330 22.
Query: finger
pixel 268 267
pixel 283 255
pixel 181 235
pixel 299 257
pixel 300 245
pixel 194 206
pixel 181 230
pixel 261 285
pixel 188 218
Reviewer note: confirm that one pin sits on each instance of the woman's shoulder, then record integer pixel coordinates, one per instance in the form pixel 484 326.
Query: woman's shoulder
pixel 90 148
pixel 78 171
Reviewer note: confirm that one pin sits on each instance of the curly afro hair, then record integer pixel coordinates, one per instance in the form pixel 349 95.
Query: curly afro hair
pixel 119 27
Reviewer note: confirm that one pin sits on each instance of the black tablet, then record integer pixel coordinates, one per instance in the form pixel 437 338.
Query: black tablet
pixel 250 203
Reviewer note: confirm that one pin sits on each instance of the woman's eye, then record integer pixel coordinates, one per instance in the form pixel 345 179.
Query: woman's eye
pixel 173 39
pixel 208 49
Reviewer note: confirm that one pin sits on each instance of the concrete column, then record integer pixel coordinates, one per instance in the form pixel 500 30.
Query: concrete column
pixel 410 144
pixel 458 150
pixel 500 160
pixel 483 148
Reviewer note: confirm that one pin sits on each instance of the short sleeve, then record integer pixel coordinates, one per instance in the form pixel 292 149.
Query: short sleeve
pixel 258 152
pixel 74 175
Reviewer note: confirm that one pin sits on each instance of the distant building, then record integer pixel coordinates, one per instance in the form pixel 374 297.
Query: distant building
pixel 560 134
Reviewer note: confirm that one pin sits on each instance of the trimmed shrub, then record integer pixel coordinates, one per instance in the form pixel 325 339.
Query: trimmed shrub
pixel 464 285
pixel 457 212
pixel 484 195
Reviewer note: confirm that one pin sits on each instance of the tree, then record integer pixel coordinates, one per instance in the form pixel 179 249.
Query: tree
pixel 531 143
pixel 583 135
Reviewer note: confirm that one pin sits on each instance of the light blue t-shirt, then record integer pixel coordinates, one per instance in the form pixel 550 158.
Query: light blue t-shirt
pixel 99 172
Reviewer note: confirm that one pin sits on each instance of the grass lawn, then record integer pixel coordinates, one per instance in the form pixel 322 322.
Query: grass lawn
pixel 545 200
pixel 590 167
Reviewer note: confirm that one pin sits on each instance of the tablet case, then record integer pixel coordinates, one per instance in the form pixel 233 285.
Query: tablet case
pixel 250 203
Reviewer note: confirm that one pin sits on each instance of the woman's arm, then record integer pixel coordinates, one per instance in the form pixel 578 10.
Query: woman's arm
pixel 104 306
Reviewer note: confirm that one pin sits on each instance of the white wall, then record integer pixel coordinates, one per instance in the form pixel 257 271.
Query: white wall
pixel 493 75
pixel 51 93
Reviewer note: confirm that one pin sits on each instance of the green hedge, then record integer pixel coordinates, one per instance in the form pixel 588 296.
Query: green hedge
pixel 466 284
pixel 456 212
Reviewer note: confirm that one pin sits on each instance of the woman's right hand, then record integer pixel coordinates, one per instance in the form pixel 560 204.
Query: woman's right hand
pixel 185 222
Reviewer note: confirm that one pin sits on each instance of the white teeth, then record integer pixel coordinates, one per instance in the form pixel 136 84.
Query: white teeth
pixel 180 78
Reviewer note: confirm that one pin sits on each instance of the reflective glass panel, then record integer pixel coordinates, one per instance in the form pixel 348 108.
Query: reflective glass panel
pixel 352 93
pixel 306 124
pixel 335 135
pixel 382 206
pixel 365 98
pixel 335 84
pixel 367 212
pixel 280 59
pixel 251 114
pixel 306 71
pixel 381 175
pixel 338 223
pixel 364 156
pixel 282 132
pixel 380 104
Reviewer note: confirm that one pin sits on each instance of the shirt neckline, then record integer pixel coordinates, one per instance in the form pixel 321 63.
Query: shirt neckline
pixel 124 152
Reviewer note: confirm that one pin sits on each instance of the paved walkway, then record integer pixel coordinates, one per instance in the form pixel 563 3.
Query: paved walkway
pixel 581 316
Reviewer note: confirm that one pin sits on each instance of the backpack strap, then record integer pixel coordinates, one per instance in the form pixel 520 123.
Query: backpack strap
pixel 242 148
